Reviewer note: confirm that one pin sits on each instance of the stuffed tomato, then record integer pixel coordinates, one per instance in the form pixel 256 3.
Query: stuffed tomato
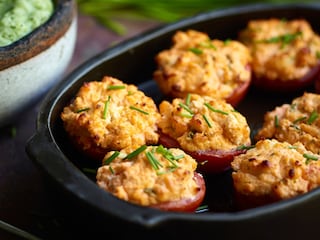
pixel 208 129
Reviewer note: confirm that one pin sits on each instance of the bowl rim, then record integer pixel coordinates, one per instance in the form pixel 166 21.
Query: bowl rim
pixel 44 151
pixel 42 37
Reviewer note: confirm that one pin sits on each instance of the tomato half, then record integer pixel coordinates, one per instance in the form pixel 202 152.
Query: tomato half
pixel 290 85
pixel 186 204
pixel 239 93
pixel 209 161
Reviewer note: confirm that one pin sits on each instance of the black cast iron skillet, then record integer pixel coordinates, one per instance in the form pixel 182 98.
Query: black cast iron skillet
pixel 133 61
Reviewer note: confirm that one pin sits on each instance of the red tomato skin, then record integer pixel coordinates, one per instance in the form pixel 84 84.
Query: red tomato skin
pixel 212 161
pixel 288 86
pixel 186 204
pixel 240 92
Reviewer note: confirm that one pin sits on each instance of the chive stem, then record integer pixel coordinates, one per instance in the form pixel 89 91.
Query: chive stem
pixel 106 106
pixel 214 109
pixel 116 87
pixel 136 152
pixel 207 120
pixel 111 158
pixel 139 110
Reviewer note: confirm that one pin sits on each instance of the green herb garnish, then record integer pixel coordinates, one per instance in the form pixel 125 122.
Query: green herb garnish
pixel 83 110
pixel 185 107
pixel 136 152
pixel 207 120
pixel 188 99
pixel 196 51
pixel 283 39
pixel 310 157
pixel 139 110
pixel 111 158
pixel 276 121
pixel 215 110
pixel 153 161
pixel 116 87
pixel 208 44
pixel 111 170
pixel 245 147
pixel 168 155
pixel 313 116
pixel 299 120
pixel 106 106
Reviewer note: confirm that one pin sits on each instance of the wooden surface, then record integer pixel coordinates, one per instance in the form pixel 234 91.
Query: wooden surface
pixel 27 201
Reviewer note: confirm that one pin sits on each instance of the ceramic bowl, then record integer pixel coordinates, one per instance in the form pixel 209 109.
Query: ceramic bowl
pixel 133 61
pixel 30 66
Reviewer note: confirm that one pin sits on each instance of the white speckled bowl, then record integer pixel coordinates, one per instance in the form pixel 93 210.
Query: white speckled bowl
pixel 30 66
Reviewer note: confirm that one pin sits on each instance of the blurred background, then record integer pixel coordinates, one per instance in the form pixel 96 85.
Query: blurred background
pixel 110 12
pixel 104 23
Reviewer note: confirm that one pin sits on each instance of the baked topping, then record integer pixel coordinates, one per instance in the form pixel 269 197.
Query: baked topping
pixel 149 175
pixel 197 64
pixel 281 49
pixel 203 123
pixel 298 121
pixel 111 115
pixel 276 169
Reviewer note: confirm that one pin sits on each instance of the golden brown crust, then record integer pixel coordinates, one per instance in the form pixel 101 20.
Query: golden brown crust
pixel 197 64
pixel 226 128
pixel 136 180
pixel 295 122
pixel 274 171
pixel 101 119
pixel 282 50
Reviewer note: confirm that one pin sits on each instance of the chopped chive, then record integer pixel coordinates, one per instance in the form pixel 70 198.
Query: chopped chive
pixel 116 87
pixel 139 110
pixel 167 153
pixel 314 115
pixel 295 127
pixel 185 107
pixel 299 120
pixel 227 41
pixel 215 110
pixel 111 158
pixel 170 169
pixel 244 147
pixel 293 147
pixel 153 160
pixel 83 110
pixel 310 157
pixel 136 152
pixel 187 115
pixel 318 54
pixel 284 39
pixel 276 121
pixel 196 51
pixel 106 106
pixel 293 106
pixel 207 120
pixel 111 169
pixel 208 44
pixel 188 98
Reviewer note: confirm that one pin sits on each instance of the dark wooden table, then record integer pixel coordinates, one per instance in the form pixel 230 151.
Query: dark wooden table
pixel 27 201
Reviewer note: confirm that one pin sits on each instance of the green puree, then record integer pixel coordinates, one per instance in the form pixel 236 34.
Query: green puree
pixel 20 17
